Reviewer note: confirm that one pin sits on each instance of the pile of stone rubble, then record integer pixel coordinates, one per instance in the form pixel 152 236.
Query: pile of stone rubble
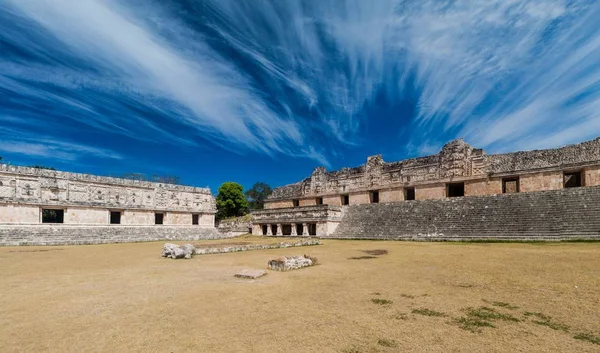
pixel 292 262
pixel 236 248
pixel 175 251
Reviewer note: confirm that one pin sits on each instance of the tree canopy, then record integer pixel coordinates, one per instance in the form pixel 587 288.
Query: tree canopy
pixel 258 194
pixel 231 201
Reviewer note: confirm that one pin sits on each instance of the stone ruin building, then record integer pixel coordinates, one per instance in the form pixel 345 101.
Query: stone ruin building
pixel 39 206
pixel 459 193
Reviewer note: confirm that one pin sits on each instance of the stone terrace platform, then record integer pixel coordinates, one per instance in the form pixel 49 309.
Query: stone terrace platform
pixel 546 215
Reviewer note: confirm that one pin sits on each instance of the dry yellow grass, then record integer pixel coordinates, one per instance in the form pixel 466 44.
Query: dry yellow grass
pixel 125 297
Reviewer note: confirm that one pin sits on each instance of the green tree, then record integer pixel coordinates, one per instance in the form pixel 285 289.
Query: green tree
pixel 258 194
pixel 231 201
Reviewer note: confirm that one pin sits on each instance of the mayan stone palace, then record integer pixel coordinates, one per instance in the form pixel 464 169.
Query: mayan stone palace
pixel 461 192
pixel 39 206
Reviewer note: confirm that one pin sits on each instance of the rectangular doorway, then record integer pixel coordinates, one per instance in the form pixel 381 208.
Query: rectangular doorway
pixel 455 189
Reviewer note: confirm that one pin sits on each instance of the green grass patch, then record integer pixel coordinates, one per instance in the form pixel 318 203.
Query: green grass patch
pixel 428 312
pixel 483 316
pixel 489 314
pixel 362 257
pixel 472 324
pixel 380 301
pixel 545 320
pixel 387 343
pixel 503 305
pixel 407 296
pixel 588 337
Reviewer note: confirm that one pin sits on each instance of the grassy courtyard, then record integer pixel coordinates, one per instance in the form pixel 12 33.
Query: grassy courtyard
pixel 436 297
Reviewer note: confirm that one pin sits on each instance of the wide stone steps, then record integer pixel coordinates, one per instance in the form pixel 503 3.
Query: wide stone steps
pixel 567 213
pixel 12 235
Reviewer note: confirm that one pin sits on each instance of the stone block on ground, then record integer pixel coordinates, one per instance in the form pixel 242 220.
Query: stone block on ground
pixel 292 262
pixel 175 251
pixel 251 274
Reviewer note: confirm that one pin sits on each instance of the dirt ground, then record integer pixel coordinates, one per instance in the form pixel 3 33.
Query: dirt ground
pixel 125 297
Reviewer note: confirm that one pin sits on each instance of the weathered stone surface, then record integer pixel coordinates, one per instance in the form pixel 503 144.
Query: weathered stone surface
pixel 63 234
pixel 236 226
pixel 456 161
pixel 291 263
pixel 175 251
pixel 251 274
pixel 25 185
pixel 236 248
pixel 544 215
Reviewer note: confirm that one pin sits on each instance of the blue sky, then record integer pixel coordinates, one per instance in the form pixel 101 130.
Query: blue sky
pixel 257 90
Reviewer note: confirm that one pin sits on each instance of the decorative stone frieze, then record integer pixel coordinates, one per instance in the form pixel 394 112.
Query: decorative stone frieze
pixel 23 185
pixel 456 161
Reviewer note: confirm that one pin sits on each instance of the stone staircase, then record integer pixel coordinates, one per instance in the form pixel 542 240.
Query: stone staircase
pixel 46 234
pixel 545 215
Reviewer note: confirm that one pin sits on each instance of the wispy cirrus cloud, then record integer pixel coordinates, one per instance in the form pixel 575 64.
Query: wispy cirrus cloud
pixel 200 89
pixel 297 78
pixel 21 142
pixel 504 74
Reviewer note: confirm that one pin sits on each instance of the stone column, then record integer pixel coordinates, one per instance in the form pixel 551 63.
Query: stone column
pixel 279 229
pixel 305 229
pixel 269 229
pixel 294 231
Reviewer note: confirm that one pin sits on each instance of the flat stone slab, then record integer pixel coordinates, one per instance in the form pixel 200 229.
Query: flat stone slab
pixel 252 274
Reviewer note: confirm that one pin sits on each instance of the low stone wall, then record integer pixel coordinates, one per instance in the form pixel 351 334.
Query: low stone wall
pixel 546 215
pixel 76 235
pixel 236 248
pixel 236 226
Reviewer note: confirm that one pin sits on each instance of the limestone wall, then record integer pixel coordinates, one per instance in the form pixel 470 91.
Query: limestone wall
pixel 545 215
pixel 457 162
pixel 33 186
pixel 45 234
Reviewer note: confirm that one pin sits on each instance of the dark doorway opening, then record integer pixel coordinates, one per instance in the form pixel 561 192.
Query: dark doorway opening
pixel 312 229
pixel 296 202
pixel 374 197
pixel 159 218
pixel 319 200
pixel 286 229
pixel 510 185
pixel 249 230
pixel 455 189
pixel 53 216
pixel 195 219
pixel 345 200
pixel 264 229
pixel 274 229
pixel 573 180
pixel 409 194
pixel 299 229
pixel 115 217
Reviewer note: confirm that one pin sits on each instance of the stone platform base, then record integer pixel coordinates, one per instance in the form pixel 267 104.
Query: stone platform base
pixel 15 235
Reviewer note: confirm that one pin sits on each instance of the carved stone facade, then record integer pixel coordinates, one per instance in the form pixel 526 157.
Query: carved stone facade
pixel 297 221
pixel 88 199
pixel 456 162
pixel 457 170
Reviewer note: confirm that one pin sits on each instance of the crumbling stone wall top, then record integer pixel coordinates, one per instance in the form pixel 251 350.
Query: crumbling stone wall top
pixel 55 174
pixel 457 160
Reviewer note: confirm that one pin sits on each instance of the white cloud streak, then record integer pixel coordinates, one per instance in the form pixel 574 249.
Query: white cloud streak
pixel 223 102
pixel 503 74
